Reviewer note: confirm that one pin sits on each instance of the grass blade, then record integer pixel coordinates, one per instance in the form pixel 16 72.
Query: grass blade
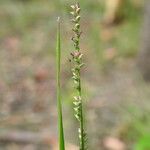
pixel 59 105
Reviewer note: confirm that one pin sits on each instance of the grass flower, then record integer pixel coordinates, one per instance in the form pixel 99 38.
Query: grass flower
pixel 76 75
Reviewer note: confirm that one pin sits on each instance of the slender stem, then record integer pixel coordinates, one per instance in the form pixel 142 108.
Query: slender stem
pixel 82 121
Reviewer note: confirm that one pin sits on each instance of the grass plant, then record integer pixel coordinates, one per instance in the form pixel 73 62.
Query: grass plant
pixel 76 76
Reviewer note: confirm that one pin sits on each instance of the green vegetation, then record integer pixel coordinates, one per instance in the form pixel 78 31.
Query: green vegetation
pixel 59 103
pixel 27 32
pixel 76 75
pixel 143 143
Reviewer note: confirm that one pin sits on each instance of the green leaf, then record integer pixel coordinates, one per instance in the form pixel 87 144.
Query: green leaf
pixel 59 105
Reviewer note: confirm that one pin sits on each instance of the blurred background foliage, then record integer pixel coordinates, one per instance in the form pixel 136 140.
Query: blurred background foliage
pixel 116 96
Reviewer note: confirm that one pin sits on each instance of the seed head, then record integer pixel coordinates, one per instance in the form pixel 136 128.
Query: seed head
pixel 78 10
pixel 77 26
pixel 72 13
pixel 76 54
pixel 72 6
pixel 78 18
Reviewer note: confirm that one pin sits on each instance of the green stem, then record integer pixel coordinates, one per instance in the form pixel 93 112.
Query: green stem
pixel 81 114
